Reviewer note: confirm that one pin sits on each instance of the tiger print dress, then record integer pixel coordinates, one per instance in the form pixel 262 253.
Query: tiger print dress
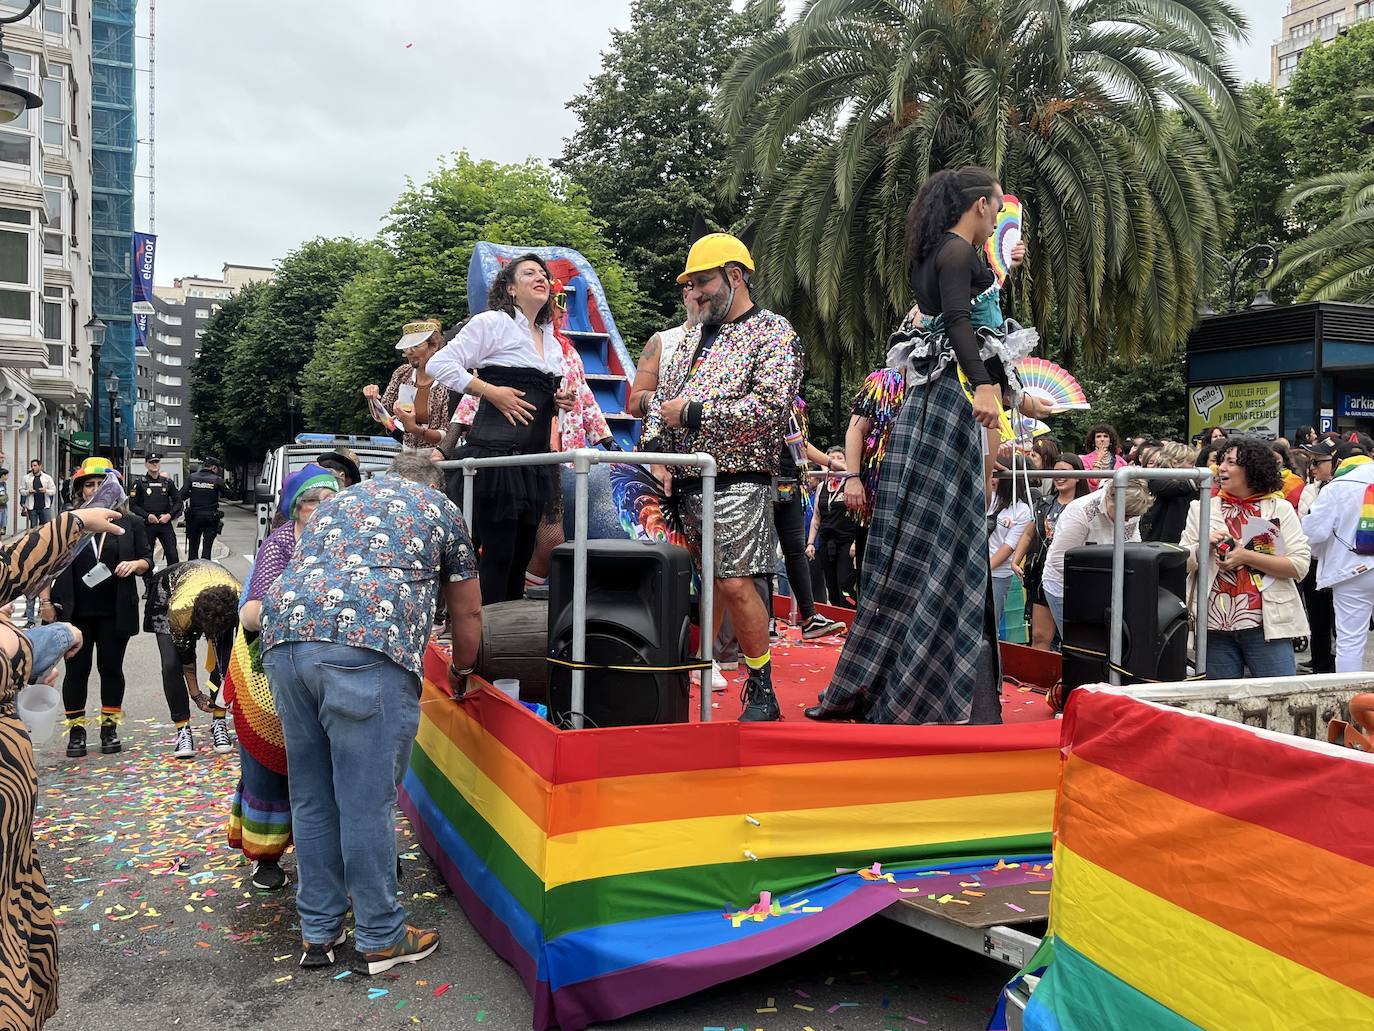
pixel 28 939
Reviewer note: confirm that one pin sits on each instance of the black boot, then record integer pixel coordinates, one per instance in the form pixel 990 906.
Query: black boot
pixel 109 738
pixel 760 703
pixel 76 742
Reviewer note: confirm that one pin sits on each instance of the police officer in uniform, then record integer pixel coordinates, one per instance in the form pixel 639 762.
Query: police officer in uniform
pixel 203 517
pixel 155 501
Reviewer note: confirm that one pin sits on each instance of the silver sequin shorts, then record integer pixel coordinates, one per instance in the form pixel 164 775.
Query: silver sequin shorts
pixel 745 541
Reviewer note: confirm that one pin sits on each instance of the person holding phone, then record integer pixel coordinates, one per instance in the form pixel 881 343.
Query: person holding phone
pixel 98 594
pixel 419 406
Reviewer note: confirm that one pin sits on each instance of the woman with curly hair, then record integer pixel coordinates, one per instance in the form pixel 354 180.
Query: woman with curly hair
pixel 1103 451
pixel 520 370
pixel 916 654
pixel 1259 554
pixel 186 602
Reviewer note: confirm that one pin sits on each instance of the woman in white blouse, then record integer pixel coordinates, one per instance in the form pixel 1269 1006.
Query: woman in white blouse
pixel 519 369
pixel 1088 520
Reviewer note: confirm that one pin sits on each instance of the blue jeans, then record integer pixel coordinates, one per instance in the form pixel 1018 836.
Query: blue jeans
pixel 1000 586
pixel 1056 604
pixel 38 516
pixel 350 716
pixel 1230 653
pixel 49 644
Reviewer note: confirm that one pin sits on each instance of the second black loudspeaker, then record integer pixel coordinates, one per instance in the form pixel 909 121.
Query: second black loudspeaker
pixel 638 614
pixel 1154 614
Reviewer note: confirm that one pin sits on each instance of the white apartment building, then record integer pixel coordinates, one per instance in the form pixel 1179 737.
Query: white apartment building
pixel 1306 22
pixel 45 244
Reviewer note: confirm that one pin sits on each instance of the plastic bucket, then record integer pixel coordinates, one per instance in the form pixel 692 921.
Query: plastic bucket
pixel 39 707
pixel 508 687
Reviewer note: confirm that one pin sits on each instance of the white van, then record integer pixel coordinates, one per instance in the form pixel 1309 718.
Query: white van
pixel 375 454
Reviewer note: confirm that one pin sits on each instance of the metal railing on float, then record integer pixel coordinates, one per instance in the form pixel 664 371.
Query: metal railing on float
pixel 582 460
pixel 1120 479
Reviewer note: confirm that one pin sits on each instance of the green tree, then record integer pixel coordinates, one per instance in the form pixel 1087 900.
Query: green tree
pixel 1321 125
pixel 1263 174
pixel 1114 124
pixel 271 346
pixel 1141 397
pixel 421 269
pixel 214 433
pixel 647 150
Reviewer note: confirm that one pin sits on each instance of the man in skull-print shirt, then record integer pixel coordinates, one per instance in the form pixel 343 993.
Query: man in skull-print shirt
pixel 344 633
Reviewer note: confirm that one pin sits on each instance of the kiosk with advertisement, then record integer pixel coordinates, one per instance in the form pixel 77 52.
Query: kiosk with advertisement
pixel 1272 369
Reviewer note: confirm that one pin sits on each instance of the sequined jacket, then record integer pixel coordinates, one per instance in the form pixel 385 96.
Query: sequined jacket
pixel 745 385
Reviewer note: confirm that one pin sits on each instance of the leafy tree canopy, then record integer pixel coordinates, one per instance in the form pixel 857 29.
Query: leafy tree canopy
pixel 648 150
pixel 420 269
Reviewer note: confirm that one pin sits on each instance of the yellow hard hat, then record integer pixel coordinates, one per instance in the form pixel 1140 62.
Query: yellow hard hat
pixel 713 251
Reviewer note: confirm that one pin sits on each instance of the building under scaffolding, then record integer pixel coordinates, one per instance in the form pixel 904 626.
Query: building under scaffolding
pixel 114 137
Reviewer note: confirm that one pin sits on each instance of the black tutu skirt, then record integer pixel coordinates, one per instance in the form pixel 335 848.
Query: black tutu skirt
pixel 520 493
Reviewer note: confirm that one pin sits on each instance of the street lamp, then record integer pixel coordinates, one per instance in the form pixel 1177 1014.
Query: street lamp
pixel 1255 262
pixel 14 98
pixel 112 392
pixel 95 336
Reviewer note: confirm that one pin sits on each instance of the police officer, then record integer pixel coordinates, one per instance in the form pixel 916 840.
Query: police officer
pixel 155 500
pixel 203 517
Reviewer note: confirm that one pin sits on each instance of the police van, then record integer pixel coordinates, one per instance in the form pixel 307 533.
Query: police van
pixel 375 455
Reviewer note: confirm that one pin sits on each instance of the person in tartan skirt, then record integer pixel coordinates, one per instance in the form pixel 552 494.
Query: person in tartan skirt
pixel 923 647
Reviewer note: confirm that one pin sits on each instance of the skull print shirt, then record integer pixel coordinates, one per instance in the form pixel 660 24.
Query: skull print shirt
pixel 367 570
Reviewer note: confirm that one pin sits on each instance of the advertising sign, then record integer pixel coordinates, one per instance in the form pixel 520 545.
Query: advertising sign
pixel 1357 406
pixel 1236 407
pixel 145 249
pixel 141 333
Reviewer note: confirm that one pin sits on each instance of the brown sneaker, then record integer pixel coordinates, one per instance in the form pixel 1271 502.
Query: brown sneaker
pixel 414 946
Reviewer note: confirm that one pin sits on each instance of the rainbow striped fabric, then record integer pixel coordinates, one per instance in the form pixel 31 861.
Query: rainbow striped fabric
pixel 1364 528
pixel 617 869
pixel 1207 874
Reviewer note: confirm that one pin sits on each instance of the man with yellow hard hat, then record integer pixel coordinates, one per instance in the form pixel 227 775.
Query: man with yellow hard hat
pixel 728 390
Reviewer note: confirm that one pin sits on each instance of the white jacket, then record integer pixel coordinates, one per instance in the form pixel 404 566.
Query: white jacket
pixel 1283 612
pixel 49 495
pixel 1330 526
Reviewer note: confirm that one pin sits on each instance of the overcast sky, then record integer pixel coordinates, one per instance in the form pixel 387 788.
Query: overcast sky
pixel 281 121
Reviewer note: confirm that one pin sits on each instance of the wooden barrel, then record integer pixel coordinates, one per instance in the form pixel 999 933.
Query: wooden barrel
pixel 515 643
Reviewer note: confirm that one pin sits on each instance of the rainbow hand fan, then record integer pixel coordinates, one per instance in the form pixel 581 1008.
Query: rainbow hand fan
pixel 1005 237
pixel 1050 382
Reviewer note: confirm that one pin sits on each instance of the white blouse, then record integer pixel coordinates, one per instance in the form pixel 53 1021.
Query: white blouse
pixel 494 338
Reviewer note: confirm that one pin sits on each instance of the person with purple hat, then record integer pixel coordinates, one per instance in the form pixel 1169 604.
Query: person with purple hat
pixel 260 818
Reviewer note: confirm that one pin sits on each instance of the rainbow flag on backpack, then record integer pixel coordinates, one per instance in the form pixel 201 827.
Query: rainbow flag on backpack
pixel 1364 529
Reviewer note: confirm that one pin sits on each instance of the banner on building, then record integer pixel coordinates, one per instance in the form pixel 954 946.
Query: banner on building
pixel 1236 407
pixel 145 249
pixel 141 333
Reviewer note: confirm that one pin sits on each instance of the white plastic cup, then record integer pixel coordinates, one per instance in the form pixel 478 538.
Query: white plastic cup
pixel 509 687
pixel 39 706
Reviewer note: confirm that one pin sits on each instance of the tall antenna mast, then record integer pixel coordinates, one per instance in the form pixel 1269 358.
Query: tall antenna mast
pixel 152 116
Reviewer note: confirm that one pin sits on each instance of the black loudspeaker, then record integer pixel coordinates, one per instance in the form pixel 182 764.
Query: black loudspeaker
pixel 1154 621
pixel 638 614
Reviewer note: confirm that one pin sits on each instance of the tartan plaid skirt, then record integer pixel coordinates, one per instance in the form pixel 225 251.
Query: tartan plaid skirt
pixel 912 655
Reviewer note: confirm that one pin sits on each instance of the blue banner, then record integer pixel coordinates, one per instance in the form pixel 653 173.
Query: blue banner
pixel 141 332
pixel 145 249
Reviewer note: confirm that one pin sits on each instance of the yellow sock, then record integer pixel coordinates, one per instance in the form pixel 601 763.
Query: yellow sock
pixel 217 712
pixel 760 661
pixel 180 723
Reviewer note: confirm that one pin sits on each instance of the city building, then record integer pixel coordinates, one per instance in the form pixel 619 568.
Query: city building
pixel 1306 22
pixel 46 246
pixel 114 139
pixel 165 371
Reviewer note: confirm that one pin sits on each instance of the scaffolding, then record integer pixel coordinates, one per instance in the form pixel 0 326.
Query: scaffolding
pixel 114 143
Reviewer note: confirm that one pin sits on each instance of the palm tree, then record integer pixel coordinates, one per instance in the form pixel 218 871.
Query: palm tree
pixel 1115 122
pixel 1337 259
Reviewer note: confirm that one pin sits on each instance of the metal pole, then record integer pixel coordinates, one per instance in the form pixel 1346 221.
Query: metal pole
pixel 708 576
pixel 468 473
pixel 582 465
pixel 1204 562
pixel 1120 479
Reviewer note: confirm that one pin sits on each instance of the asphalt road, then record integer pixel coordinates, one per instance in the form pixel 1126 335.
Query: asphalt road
pixel 161 928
